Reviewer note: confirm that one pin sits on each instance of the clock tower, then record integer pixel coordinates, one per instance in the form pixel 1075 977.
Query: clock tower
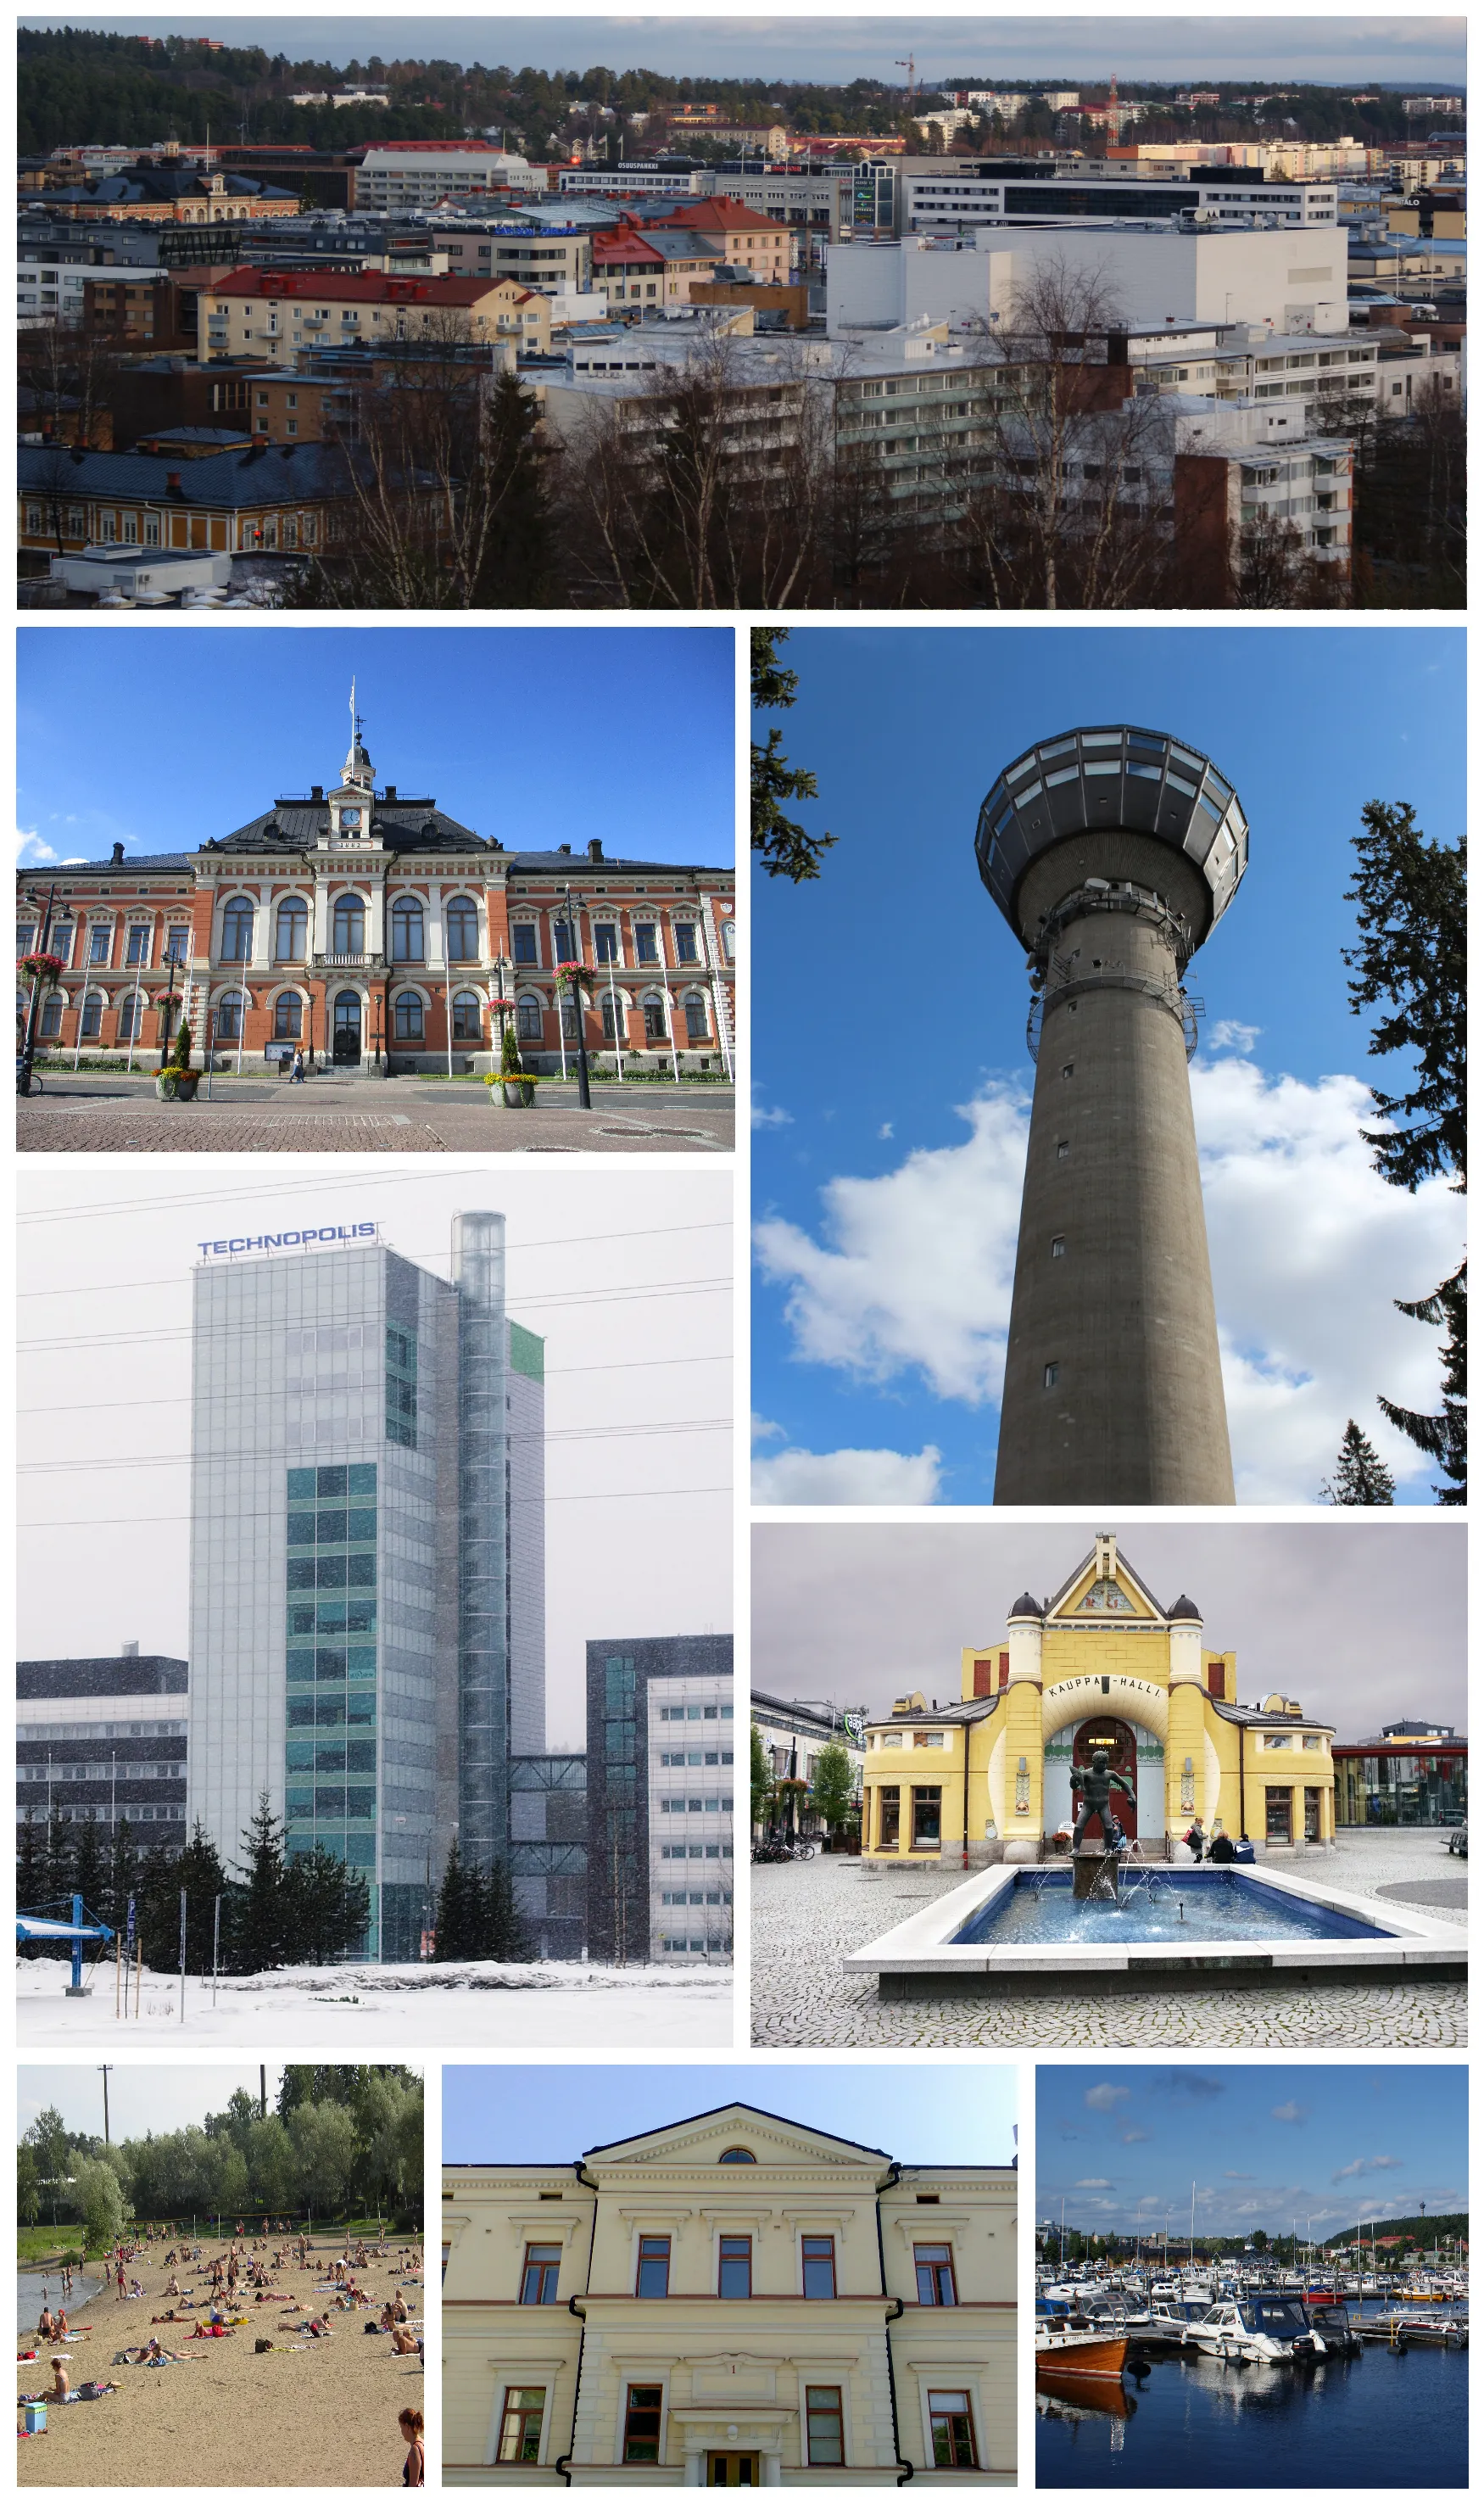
pixel 351 803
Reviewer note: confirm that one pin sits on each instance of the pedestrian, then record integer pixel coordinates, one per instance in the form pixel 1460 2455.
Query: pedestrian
pixel 1195 1839
pixel 410 2422
pixel 298 1078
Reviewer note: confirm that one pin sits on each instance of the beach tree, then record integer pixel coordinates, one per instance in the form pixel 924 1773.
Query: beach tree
pixel 28 2186
pixel 95 2194
pixel 324 2138
pixel 272 2165
pixel 52 2141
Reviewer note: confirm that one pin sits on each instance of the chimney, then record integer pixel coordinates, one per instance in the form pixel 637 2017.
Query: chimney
pixel 595 849
pixel 390 793
pixel 564 848
pixel 317 790
pixel 173 481
pixel 128 1652
pixel 118 857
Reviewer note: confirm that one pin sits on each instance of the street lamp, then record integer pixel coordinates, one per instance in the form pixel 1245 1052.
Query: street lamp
pixel 584 1091
pixel 33 1014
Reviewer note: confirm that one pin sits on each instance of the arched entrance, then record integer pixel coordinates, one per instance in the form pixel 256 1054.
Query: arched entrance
pixel 345 1044
pixel 1117 1742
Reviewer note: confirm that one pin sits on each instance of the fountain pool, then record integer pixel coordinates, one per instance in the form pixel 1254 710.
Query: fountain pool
pixel 1019 1930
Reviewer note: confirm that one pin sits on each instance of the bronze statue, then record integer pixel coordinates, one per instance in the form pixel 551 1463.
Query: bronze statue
pixel 1098 1784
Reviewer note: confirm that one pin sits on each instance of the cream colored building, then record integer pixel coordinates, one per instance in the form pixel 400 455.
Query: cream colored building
pixel 730 2300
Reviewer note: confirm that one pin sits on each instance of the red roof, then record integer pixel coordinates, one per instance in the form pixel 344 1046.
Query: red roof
pixel 355 287
pixel 624 243
pixel 721 214
pixel 433 148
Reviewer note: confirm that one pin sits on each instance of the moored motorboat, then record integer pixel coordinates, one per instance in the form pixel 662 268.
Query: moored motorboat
pixel 1090 2353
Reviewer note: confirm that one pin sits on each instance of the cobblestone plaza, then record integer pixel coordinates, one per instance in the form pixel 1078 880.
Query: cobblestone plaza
pixel 807 1917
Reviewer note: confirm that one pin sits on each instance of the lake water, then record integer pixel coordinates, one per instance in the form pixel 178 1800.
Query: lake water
pixel 36 2287
pixel 1376 2420
pixel 1184 1909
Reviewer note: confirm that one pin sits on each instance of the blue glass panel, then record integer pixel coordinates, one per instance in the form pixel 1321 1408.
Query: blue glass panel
pixel 300 1485
pixel 363 1478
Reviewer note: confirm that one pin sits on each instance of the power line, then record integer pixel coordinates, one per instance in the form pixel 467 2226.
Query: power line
pixel 181 1460
pixel 583 1298
pixel 179 1398
pixel 546 1243
pixel 386 1172
pixel 140 1522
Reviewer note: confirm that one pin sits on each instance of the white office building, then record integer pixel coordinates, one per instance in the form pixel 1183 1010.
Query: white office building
pixel 1150 276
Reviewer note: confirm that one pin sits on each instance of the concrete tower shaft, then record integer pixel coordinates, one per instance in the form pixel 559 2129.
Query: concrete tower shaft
pixel 1111 853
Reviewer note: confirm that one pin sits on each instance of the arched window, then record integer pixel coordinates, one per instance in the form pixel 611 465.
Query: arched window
pixel 237 931
pixel 737 2156
pixel 614 1026
pixel 654 1019
pixel 92 1014
pixel 569 1017
pixel 696 1029
pixel 528 1018
pixel 462 920
pixel 130 1016
pixel 51 1008
pixel 292 946
pixel 287 1018
pixel 729 940
pixel 408 931
pixel 407 1018
pixel 226 1018
pixel 350 925
pixel 469 1018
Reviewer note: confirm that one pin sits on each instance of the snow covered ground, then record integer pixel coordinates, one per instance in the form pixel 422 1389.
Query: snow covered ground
pixel 524 2007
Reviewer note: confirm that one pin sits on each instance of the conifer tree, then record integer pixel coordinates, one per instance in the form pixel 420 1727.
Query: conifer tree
pixel 1360 1476
pixel 454 1920
pixel 259 1932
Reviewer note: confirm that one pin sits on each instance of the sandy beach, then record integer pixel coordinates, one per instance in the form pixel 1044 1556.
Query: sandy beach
pixel 310 2413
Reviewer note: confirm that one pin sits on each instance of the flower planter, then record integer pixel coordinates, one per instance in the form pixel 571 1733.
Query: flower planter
pixel 517 1091
pixel 177 1085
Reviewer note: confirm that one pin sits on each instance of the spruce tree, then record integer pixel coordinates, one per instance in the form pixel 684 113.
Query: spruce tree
pixel 501 1929
pixel 198 1870
pixel 328 1907
pixel 257 1900
pixel 90 1865
pixel 454 1920
pixel 31 1867
pixel 1360 1476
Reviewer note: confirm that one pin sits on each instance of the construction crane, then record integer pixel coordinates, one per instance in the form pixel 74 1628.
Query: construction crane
pixel 911 67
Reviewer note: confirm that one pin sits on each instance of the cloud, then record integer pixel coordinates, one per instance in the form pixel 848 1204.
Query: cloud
pixel 847 1477
pixel 1291 2112
pixel 1366 2164
pixel 913 1269
pixel 764 1429
pixel 1229 1034
pixel 1239 2178
pixel 767 1117
pixel 909 1274
pixel 1131 2138
pixel 886 1132
pixel 1093 2183
pixel 1192 2082
pixel 1105 2097
pixel 30 847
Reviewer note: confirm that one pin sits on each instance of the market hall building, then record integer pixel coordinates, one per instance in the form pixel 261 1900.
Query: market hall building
pixel 372 932
pixel 732 2299
pixel 999 1774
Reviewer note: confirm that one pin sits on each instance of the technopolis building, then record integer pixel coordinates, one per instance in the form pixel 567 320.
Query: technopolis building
pixel 367 1570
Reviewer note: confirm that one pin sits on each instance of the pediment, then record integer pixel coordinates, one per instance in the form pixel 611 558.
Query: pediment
pixel 1105 1590
pixel 702 2141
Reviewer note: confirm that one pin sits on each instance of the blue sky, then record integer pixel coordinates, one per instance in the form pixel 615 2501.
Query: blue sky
pixel 1263 2145
pixel 1337 50
pixel 530 734
pixel 952 2112
pixel 889 1003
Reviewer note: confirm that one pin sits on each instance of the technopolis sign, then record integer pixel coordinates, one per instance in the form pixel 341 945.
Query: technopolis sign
pixel 307 1239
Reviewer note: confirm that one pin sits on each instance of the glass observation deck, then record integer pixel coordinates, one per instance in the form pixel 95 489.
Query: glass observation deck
pixel 1119 779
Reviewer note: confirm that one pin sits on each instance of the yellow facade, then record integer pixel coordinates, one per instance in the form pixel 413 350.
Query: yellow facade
pixel 732 2299
pixel 995 1776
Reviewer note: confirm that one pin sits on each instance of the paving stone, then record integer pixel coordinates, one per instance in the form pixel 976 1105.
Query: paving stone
pixel 109 1116
pixel 806 1916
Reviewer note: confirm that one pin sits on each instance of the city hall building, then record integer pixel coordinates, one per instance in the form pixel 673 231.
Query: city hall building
pixel 367 1568
pixel 732 2299
pixel 1102 1665
pixel 369 929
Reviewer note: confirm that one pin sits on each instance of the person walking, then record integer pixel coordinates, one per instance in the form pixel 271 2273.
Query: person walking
pixel 298 1077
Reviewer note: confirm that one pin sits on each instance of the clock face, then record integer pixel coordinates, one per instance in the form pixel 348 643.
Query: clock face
pixel 350 817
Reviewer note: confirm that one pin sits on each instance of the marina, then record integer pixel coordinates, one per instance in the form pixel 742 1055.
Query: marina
pixel 1251 2278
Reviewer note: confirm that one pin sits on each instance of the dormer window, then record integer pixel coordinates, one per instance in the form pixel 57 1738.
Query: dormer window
pixel 737 2156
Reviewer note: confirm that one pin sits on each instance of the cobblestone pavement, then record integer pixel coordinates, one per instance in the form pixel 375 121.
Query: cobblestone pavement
pixel 112 1116
pixel 807 1916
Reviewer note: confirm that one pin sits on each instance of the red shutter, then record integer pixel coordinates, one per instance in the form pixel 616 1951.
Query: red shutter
pixel 1004 1669
pixel 982 1677
pixel 1216 1679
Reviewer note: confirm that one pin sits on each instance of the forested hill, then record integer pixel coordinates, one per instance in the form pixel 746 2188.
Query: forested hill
pixel 1446 2227
pixel 76 86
